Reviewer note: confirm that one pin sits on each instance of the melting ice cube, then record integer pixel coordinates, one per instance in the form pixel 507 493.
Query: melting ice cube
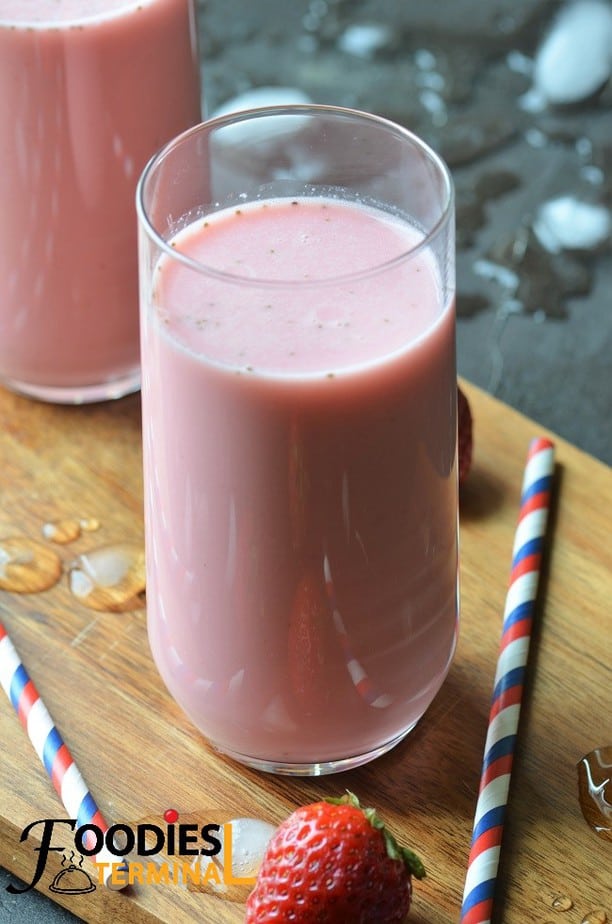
pixel 575 59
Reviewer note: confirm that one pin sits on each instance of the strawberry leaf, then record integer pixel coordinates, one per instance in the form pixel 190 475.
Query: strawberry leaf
pixel 410 859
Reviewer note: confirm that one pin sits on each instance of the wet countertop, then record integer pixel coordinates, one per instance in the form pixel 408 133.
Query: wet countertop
pixel 533 181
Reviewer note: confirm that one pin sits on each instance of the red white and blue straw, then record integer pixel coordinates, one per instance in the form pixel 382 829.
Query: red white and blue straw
pixel 53 753
pixel 505 709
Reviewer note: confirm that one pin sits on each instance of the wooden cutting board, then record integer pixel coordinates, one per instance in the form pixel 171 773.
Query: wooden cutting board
pixel 140 756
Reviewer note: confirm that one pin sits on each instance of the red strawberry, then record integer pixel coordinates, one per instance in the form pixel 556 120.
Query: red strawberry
pixel 333 862
pixel 466 440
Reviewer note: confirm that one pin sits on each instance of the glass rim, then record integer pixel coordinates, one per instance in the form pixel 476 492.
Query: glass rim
pixel 300 110
pixel 102 16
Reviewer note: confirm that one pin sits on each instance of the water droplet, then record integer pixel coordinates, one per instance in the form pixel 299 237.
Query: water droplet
pixel 595 790
pixel 61 531
pixel 596 916
pixel 562 903
pixel 27 566
pixel 111 577
pixel 89 524
pixel 363 40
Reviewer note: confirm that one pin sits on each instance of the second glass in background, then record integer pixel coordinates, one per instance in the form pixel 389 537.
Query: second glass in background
pixel 89 90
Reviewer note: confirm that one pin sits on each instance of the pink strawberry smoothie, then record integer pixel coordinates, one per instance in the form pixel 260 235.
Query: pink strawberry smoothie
pixel 299 451
pixel 89 90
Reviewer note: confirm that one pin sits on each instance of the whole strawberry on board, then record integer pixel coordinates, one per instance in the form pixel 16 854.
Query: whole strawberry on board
pixel 333 862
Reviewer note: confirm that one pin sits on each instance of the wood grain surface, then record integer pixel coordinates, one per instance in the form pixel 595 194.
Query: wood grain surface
pixel 140 756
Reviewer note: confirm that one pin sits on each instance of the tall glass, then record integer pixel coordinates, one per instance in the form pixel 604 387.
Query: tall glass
pixel 299 424
pixel 89 90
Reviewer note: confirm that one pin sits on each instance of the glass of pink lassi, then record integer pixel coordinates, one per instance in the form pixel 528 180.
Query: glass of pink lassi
pixel 299 427
pixel 89 90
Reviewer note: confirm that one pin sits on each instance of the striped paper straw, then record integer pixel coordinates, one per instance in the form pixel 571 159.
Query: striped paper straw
pixel 53 753
pixel 502 730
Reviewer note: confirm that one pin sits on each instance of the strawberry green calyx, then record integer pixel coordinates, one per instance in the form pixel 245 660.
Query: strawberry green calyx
pixel 412 862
